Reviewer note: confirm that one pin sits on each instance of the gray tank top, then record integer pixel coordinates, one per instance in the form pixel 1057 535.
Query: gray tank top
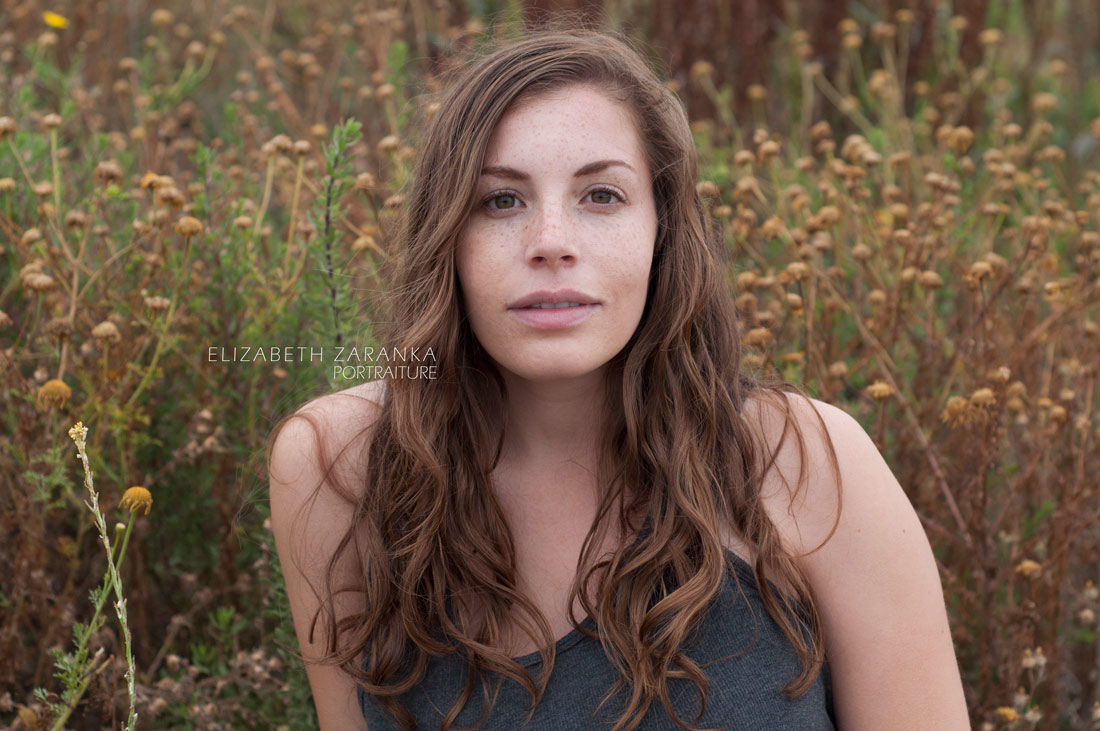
pixel 745 692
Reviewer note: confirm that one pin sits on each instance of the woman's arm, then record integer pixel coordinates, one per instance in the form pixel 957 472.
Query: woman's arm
pixel 306 535
pixel 878 590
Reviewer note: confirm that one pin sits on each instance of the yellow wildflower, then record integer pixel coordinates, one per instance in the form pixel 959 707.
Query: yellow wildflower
pixel 78 432
pixel 53 392
pixel 54 20
pixel 135 498
pixel 1007 714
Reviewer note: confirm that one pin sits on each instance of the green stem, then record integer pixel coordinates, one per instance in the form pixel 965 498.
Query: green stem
pixel 148 375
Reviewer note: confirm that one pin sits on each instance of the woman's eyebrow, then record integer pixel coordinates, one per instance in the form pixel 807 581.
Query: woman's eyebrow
pixel 503 171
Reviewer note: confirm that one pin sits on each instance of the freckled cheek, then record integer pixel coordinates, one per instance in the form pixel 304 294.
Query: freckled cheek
pixel 629 260
pixel 481 274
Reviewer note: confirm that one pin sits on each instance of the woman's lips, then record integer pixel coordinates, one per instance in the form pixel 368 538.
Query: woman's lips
pixel 553 318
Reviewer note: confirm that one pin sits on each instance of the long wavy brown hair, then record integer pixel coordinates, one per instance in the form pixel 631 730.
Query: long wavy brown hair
pixel 675 448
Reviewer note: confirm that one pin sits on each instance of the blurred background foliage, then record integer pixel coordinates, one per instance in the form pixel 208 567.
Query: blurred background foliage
pixel 910 189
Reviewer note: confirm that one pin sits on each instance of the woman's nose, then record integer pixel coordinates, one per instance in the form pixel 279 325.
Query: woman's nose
pixel 553 240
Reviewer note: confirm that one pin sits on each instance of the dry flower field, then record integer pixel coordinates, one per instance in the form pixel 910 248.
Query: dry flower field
pixel 911 192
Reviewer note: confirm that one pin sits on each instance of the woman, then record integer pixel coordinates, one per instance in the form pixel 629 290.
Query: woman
pixel 590 449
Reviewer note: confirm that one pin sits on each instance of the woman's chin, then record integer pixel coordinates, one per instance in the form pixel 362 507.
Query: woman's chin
pixel 556 372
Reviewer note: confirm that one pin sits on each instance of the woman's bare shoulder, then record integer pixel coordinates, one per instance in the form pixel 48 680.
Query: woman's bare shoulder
pixel 312 515
pixel 356 404
pixel 340 424
pixel 800 489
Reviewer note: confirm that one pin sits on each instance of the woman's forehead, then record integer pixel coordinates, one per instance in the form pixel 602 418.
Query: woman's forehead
pixel 572 126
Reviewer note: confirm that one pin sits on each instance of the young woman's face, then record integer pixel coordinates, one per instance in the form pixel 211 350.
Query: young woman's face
pixel 565 215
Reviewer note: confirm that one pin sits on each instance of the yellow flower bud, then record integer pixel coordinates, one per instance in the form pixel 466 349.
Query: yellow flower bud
pixel 135 498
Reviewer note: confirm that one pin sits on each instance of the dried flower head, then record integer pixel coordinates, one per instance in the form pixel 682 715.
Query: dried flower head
pixel 162 18
pixel 154 181
pixel 106 330
pixel 135 498
pixel 1044 101
pixel 983 398
pixel 701 69
pixel 758 336
pixel 189 226
pixel 76 219
pixel 707 189
pixel 1029 568
pixel 930 279
pixel 862 252
pixel 798 270
pixel 384 92
pixel 388 144
pixel 956 411
pixel 169 195
pixel 981 269
pixel 879 390
pixel 38 281
pixel 53 392
pixel 59 327
pixel 990 37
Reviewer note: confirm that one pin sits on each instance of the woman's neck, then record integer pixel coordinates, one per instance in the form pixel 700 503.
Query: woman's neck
pixel 546 423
